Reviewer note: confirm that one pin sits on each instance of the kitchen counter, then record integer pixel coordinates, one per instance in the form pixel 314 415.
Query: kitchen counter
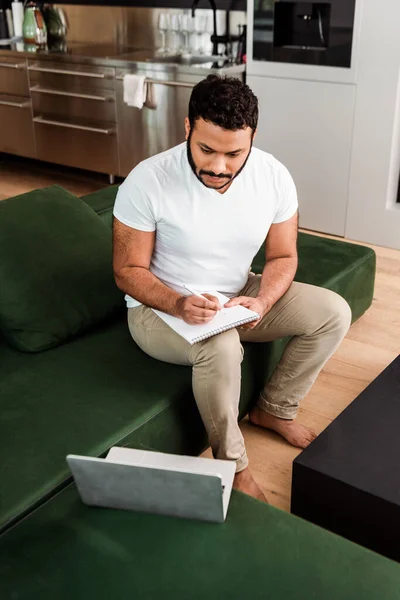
pixel 126 57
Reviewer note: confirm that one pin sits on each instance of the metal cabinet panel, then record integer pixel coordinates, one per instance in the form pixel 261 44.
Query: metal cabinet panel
pixel 13 76
pixel 16 132
pixel 74 115
pixel 86 104
pixel 158 126
pixel 89 146
pixel 68 76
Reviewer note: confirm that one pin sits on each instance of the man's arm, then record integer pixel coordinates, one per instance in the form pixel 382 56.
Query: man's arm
pixel 279 271
pixel 281 261
pixel 132 251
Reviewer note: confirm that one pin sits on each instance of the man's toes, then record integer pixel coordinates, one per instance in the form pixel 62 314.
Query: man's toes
pixel 310 438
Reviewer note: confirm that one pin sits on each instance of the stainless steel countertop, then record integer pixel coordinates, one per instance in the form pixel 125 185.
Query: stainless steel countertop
pixel 124 58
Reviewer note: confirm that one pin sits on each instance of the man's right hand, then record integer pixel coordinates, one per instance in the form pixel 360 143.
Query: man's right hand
pixel 196 310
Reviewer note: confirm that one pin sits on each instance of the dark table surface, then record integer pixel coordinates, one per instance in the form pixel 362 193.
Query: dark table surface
pixel 362 446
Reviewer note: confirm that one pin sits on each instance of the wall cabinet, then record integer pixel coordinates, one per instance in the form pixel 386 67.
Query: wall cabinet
pixel 307 125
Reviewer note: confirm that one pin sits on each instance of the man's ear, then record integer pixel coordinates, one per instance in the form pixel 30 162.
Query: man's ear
pixel 187 128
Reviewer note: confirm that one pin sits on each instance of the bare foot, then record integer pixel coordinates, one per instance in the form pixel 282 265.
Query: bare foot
pixel 245 483
pixel 293 432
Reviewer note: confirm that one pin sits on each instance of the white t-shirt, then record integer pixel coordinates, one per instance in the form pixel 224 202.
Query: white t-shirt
pixel 204 239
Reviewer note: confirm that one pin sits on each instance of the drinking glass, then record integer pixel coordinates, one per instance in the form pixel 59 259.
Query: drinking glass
pixel 175 29
pixel 163 26
pixel 186 28
pixel 200 28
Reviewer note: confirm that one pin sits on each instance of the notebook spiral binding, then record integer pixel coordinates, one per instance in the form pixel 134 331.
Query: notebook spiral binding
pixel 205 336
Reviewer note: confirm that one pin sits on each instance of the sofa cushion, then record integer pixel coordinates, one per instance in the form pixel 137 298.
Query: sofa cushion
pixel 97 391
pixel 102 199
pixel 69 550
pixel 345 268
pixel 56 275
pixel 102 203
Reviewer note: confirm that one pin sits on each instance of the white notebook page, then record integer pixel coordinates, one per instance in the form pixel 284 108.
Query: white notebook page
pixel 225 319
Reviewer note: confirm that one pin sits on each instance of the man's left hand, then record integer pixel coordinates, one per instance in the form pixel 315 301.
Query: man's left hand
pixel 255 304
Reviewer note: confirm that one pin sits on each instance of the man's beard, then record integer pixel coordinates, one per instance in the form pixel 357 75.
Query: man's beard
pixel 229 176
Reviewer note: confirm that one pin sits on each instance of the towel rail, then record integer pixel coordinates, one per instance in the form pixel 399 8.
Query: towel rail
pixel 161 82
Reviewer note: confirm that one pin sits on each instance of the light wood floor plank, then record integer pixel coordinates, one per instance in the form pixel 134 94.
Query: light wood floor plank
pixel 18 175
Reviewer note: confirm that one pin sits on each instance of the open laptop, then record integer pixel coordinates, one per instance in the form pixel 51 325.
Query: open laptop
pixel 154 482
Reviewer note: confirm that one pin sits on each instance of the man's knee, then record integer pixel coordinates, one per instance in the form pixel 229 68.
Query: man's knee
pixel 337 311
pixel 224 349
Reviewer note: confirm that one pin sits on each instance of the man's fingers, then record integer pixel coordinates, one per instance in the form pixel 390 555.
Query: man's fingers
pixel 243 300
pixel 205 313
pixel 214 301
pixel 199 320
pixel 210 304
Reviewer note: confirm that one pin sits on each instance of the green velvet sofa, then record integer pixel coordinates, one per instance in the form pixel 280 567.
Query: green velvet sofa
pixel 73 381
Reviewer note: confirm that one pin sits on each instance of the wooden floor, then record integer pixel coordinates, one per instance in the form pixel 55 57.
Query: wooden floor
pixel 371 344
pixel 19 175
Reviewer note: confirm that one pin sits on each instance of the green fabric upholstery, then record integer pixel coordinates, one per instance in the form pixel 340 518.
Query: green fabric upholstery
pixel 107 217
pixel 102 202
pixel 345 268
pixel 83 397
pixel 56 275
pixel 102 199
pixel 68 550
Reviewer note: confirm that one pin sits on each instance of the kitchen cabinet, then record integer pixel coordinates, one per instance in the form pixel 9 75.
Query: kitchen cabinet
pixel 16 133
pixel 159 125
pixel 74 115
pixel 69 109
pixel 13 76
pixel 307 125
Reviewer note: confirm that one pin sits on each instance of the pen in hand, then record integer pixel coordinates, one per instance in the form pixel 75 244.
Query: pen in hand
pixel 196 293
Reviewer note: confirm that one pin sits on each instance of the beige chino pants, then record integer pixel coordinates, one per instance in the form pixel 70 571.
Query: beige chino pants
pixel 317 318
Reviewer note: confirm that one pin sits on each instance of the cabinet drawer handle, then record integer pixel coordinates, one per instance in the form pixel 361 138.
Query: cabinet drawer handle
pixel 67 72
pixel 171 83
pixel 12 65
pixel 15 104
pixel 72 126
pixel 40 90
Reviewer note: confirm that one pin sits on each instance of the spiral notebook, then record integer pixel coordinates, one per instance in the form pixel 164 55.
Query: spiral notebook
pixel 225 319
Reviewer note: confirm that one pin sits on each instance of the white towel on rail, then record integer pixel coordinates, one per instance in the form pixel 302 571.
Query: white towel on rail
pixel 135 89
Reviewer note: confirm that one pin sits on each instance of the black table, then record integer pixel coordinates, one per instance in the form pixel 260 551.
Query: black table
pixel 348 479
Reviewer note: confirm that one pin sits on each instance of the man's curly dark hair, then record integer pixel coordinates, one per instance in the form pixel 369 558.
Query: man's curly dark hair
pixel 224 101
